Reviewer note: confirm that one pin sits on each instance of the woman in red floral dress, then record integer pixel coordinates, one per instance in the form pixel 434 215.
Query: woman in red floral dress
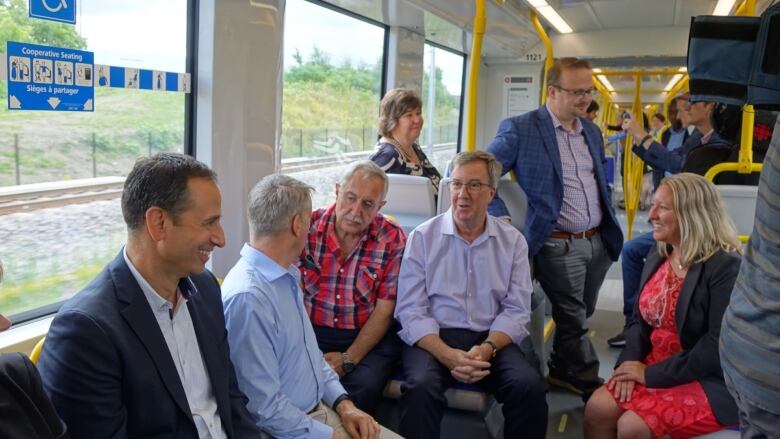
pixel 668 379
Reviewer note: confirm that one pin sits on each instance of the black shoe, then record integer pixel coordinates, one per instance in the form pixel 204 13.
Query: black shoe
pixel 617 341
pixel 567 381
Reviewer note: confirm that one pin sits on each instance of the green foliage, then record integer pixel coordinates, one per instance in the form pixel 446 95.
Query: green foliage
pixel 325 104
pixel 59 145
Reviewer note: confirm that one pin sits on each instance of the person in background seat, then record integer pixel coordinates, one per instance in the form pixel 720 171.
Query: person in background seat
pixel 668 379
pixel 464 300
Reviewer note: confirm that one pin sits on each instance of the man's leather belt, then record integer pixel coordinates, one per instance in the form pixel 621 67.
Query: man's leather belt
pixel 567 235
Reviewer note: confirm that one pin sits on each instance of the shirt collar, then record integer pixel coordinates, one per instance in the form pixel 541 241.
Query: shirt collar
pixel 557 123
pixel 448 226
pixel 186 288
pixel 705 139
pixel 267 267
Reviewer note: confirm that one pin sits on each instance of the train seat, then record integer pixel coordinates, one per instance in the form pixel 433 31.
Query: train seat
pixel 740 202
pixel 409 200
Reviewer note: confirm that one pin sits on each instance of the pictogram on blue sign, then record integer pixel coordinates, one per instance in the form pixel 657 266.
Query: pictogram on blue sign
pixel 56 10
pixel 49 78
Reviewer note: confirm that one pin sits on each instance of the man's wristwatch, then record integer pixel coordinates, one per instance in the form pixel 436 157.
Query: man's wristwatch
pixel 346 363
pixel 492 345
pixel 343 397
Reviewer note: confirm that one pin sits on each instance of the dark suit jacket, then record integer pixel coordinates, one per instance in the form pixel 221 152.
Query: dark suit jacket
pixel 108 370
pixel 703 299
pixel 527 145
pixel 658 174
pixel 25 410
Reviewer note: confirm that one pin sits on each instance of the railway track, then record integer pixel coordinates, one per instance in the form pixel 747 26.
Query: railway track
pixel 31 197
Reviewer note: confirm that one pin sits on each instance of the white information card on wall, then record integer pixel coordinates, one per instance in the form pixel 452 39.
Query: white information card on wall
pixel 519 95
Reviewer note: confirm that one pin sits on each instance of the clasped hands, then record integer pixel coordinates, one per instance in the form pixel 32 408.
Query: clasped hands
pixel 624 378
pixel 470 367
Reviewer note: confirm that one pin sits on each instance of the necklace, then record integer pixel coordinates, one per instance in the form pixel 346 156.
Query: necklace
pixel 407 156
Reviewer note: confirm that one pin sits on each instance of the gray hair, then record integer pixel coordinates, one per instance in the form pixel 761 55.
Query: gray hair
pixel 274 201
pixel 493 166
pixel 367 168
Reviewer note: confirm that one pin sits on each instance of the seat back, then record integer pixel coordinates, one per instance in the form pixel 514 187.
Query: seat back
pixel 409 200
pixel 443 203
pixel 740 202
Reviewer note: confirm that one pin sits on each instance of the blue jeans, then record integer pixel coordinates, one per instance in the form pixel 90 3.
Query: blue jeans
pixel 632 260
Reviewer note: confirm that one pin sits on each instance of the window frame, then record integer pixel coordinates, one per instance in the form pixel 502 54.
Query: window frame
pixel 462 87
pixel 190 114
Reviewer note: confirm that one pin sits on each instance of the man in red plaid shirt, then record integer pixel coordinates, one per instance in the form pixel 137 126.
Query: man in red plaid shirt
pixel 349 269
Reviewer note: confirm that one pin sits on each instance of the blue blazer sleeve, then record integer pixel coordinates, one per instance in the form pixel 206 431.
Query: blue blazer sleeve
pixel 505 147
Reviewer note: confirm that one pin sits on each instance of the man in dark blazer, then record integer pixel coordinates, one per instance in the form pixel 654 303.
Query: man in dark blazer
pixel 557 156
pixel 142 350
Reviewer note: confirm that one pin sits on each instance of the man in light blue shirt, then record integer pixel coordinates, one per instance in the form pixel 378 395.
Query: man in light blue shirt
pixel 292 391
pixel 464 295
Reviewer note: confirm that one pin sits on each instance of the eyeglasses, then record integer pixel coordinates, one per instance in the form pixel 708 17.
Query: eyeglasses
pixel 580 93
pixel 473 186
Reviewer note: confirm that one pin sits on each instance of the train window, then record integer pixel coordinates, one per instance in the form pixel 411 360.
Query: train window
pixel 61 173
pixel 332 88
pixel 442 104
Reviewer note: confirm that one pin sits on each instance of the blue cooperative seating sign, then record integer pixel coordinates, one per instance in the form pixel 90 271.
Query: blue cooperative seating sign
pixel 56 10
pixel 49 78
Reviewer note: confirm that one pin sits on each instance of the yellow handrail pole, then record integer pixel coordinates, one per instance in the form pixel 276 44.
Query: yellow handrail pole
pixel 746 143
pixel 632 165
pixel 746 9
pixel 480 22
pixel 731 166
pixel 681 85
pixel 548 61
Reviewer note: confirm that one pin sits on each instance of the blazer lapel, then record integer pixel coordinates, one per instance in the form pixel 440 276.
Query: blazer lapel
pixel 686 293
pixel 654 261
pixel 550 141
pixel 140 318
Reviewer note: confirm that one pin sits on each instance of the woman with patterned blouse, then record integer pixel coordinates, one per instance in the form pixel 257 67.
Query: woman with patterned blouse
pixel 400 124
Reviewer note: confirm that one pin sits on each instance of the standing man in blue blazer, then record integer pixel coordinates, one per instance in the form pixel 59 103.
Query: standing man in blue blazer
pixel 573 237
pixel 142 351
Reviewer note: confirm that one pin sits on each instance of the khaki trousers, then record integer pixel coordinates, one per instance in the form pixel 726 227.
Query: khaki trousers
pixel 329 417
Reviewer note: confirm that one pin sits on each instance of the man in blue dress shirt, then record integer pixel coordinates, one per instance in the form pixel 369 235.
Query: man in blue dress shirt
pixel 464 297
pixel 293 392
